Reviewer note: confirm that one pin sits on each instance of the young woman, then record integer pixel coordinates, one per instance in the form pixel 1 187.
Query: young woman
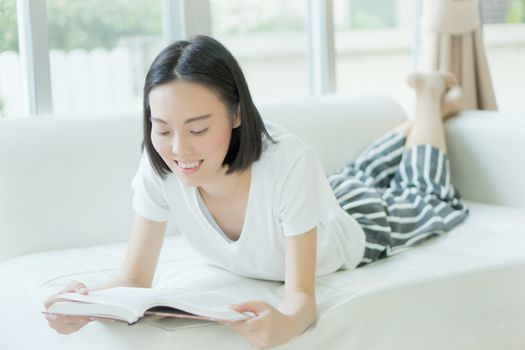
pixel 252 198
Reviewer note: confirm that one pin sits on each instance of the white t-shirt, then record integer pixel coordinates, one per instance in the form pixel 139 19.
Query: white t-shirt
pixel 289 195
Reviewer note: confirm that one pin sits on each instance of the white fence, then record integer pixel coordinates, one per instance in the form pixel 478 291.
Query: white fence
pixel 82 82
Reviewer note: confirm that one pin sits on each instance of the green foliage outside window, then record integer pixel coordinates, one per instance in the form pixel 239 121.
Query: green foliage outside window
pixel 90 24
pixel 254 16
pixel 372 14
pixel 86 24
pixel 516 12
pixel 100 23
pixel 8 30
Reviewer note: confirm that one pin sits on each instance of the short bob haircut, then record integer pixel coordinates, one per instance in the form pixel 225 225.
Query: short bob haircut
pixel 204 60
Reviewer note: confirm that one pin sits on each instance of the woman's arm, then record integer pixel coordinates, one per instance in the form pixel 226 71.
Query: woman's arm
pixel 298 311
pixel 142 254
pixel 299 303
pixel 138 269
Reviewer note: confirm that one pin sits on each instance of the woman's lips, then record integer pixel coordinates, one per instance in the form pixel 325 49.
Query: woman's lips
pixel 189 170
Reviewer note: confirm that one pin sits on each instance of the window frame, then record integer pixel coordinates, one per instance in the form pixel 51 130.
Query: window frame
pixel 181 19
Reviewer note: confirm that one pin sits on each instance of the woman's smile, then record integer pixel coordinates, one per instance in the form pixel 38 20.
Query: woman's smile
pixel 189 167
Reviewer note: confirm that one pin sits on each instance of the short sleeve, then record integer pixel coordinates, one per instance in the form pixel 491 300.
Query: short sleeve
pixel 149 198
pixel 301 201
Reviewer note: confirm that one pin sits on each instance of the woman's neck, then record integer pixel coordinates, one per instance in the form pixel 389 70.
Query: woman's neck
pixel 227 188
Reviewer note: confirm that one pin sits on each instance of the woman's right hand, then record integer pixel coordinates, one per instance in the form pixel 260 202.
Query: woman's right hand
pixel 67 324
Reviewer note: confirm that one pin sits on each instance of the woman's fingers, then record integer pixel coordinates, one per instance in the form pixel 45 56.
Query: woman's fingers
pixel 76 287
pixel 66 319
pixel 81 288
pixel 255 306
pixel 68 329
pixel 67 324
pixel 72 287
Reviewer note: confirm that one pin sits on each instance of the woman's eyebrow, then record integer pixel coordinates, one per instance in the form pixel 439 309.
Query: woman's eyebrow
pixel 197 118
pixel 192 119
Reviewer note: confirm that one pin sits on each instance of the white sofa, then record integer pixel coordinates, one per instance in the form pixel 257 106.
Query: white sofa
pixel 65 214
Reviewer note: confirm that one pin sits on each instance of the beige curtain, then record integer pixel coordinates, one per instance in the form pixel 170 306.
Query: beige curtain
pixel 451 42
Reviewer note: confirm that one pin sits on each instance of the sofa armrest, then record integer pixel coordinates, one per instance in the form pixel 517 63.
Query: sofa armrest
pixel 486 152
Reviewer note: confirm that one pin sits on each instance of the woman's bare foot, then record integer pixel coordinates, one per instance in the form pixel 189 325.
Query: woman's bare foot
pixel 442 85
pixel 431 82
pixel 452 101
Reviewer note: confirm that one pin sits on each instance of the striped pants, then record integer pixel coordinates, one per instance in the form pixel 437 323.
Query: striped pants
pixel 399 197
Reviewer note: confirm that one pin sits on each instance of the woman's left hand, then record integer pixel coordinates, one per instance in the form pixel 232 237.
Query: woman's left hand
pixel 269 328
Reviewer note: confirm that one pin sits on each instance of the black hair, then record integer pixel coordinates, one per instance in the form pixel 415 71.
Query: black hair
pixel 206 61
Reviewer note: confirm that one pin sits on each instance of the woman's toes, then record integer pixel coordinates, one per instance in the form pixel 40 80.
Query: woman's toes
pixel 412 78
pixel 450 80
pixel 452 101
pixel 434 82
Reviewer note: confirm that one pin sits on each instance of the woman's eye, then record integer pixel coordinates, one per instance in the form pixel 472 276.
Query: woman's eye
pixel 163 133
pixel 199 131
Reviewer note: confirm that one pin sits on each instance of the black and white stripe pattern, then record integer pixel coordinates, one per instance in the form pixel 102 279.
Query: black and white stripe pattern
pixel 399 196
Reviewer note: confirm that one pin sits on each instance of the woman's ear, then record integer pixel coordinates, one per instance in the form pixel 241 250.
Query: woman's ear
pixel 237 118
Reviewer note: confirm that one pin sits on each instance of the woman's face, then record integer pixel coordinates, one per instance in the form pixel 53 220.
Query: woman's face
pixel 191 130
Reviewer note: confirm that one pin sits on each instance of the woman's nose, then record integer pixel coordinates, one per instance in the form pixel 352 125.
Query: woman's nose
pixel 180 146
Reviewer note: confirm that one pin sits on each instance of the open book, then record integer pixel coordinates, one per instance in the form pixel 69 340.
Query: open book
pixel 131 304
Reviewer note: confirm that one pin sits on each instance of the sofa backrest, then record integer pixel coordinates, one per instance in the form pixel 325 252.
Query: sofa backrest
pixel 65 180
pixel 486 151
pixel 338 127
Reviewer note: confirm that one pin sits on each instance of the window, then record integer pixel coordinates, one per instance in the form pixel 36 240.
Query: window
pixel 504 36
pixel 10 70
pixel 268 40
pixel 100 52
pixel 373 47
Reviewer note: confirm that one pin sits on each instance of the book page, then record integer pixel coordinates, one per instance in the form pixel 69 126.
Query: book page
pixel 211 304
pixel 125 297
pixel 206 300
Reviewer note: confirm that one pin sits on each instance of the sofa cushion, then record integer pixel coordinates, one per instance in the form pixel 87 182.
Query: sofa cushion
pixel 444 272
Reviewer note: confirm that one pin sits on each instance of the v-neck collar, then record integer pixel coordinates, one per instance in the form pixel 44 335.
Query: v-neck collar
pixel 213 227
